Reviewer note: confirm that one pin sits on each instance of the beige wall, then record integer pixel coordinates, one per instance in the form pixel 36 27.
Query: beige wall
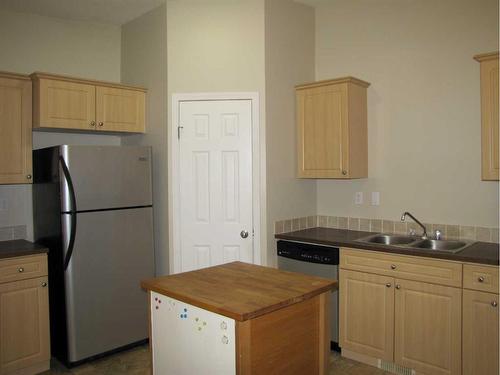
pixel 37 43
pixel 289 61
pixel 144 63
pixel 218 46
pixel 423 105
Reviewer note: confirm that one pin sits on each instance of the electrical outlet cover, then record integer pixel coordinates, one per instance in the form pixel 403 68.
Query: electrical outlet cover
pixel 358 197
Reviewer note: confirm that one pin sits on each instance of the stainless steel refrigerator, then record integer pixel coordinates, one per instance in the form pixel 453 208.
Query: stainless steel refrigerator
pixel 92 208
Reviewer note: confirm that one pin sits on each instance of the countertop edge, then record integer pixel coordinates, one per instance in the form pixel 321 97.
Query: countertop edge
pixel 457 257
pixel 20 248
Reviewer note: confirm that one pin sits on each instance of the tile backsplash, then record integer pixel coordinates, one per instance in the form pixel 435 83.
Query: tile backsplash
pixel 387 226
pixel 17 232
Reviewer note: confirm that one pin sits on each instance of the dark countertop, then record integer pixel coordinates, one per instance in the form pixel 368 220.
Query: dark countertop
pixel 479 252
pixel 18 248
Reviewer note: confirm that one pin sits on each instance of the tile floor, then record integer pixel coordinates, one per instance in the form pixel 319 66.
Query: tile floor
pixel 136 362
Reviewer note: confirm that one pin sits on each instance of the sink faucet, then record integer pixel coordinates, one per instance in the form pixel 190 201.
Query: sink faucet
pixel 403 218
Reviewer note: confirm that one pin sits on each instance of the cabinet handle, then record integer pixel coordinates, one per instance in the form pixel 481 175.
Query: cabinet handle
pixel 388 285
pixel 480 279
pixel 494 303
pixel 20 269
pixel 28 176
pixel 344 172
pixel 393 266
pixel 92 124
pixel 101 124
pixel 44 284
pixel 398 286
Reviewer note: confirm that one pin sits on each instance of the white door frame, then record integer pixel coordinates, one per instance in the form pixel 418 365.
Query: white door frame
pixel 173 178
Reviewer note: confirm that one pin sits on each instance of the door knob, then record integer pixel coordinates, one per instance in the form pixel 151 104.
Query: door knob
pixel 344 172
pixel 388 285
pixel 101 124
pixel 398 286
pixel 244 234
pixel 44 284
pixel 480 279
pixel 20 269
pixel 494 303
pixel 92 124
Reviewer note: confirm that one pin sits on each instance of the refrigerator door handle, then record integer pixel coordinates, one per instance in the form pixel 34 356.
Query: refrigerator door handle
pixel 72 212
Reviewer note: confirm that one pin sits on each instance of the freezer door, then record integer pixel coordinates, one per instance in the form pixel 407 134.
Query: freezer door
pixel 105 305
pixel 106 177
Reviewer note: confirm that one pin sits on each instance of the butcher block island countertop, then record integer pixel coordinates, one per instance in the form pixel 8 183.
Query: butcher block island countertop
pixel 271 321
pixel 238 290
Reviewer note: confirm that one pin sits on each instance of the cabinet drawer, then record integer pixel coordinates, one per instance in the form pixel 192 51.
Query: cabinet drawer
pixel 483 278
pixel 401 266
pixel 20 268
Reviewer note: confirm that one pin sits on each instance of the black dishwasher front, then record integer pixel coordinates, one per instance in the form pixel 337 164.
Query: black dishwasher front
pixel 314 260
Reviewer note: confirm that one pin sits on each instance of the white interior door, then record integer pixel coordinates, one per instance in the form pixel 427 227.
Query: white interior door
pixel 215 177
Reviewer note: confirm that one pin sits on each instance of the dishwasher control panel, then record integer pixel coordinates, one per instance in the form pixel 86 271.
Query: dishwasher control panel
pixel 308 252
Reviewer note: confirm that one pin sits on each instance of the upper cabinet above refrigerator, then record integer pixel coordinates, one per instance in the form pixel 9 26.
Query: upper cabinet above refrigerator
pixel 62 102
pixel 15 129
pixel 332 129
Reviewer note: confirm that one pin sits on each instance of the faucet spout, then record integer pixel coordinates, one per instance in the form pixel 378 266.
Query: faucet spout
pixel 403 218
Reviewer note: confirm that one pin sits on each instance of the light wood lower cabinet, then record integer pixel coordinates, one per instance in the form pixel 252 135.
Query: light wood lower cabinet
pixel 418 314
pixel 427 327
pixel 15 129
pixel 480 333
pixel 24 324
pixel 367 314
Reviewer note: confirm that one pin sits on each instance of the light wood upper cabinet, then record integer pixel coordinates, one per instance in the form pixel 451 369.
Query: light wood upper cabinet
pixel 15 129
pixel 428 328
pixel 366 314
pixel 489 115
pixel 24 322
pixel 120 109
pixel 332 137
pixel 62 102
pixel 480 332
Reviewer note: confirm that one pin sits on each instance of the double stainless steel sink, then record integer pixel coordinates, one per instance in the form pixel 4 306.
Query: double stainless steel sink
pixel 412 242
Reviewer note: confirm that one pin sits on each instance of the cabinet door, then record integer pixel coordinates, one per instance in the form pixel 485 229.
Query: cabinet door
pixel 24 324
pixel 323 137
pixel 428 327
pixel 15 131
pixel 366 314
pixel 120 110
pixel 480 333
pixel 64 105
pixel 489 119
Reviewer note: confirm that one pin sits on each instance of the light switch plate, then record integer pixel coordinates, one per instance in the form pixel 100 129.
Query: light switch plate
pixel 375 198
pixel 358 197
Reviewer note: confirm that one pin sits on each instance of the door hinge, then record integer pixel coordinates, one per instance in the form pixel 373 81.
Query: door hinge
pixel 179 131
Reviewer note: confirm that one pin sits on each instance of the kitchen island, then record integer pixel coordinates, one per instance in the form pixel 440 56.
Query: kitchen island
pixel 239 318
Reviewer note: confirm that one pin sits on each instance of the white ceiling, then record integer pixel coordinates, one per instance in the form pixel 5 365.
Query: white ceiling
pixel 115 12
